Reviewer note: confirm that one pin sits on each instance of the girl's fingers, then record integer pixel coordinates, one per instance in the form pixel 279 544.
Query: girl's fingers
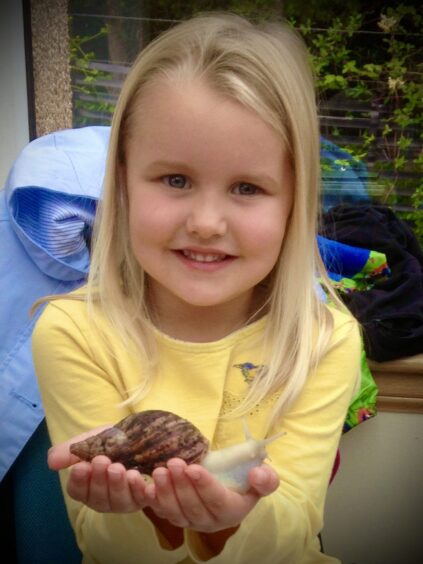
pixel 99 490
pixel 227 507
pixel 191 504
pixel 165 503
pixel 78 486
pixel 106 486
pixel 120 495
pixel 137 485
pixel 59 456
pixel 263 480
pixel 213 495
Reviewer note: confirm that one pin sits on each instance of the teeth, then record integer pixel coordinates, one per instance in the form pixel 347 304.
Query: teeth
pixel 199 257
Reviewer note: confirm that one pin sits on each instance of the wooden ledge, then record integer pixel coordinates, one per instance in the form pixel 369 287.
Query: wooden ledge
pixel 400 384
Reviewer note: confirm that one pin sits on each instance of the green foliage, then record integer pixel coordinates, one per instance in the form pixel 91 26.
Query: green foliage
pixel 89 98
pixel 364 55
pixel 386 79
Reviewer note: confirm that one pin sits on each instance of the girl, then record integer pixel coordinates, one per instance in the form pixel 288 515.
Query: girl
pixel 201 301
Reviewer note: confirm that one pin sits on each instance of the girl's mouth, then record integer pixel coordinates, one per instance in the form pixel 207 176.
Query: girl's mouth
pixel 210 260
pixel 203 257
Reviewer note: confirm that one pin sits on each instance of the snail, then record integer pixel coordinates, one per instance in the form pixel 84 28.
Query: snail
pixel 148 439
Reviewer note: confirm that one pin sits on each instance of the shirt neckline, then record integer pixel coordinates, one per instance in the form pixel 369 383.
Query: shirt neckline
pixel 242 333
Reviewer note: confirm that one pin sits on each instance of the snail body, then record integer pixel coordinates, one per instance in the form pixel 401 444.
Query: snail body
pixel 231 465
pixel 147 440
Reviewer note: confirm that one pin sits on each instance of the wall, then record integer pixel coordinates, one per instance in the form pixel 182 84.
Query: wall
pixel 14 130
pixel 51 65
pixel 375 504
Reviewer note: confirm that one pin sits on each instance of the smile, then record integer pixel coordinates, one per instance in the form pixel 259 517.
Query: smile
pixel 203 257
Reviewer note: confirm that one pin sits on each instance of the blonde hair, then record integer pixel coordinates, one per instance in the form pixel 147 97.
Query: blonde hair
pixel 265 68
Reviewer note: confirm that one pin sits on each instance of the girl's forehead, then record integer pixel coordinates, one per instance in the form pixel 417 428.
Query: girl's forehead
pixel 167 87
pixel 168 109
pixel 192 98
pixel 148 99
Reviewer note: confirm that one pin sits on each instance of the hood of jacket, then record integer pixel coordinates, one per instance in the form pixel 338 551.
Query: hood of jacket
pixel 52 192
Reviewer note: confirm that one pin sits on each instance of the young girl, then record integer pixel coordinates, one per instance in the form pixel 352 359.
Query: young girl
pixel 202 301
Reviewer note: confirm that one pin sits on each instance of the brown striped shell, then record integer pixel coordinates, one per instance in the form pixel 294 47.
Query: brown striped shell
pixel 145 441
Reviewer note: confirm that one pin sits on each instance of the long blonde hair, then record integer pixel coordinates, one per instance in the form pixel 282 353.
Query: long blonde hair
pixel 265 68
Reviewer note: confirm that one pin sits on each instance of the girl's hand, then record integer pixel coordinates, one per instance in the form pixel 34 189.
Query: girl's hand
pixel 60 456
pixel 190 497
pixel 99 484
pixel 106 486
pixel 186 496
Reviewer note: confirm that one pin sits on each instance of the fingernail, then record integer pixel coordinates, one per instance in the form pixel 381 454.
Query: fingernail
pixel 160 479
pixel 100 463
pixel 79 473
pixel 150 492
pixel 176 469
pixel 193 473
pixel 259 477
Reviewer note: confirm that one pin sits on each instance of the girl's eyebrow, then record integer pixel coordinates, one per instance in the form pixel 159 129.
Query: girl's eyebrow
pixel 260 179
pixel 175 165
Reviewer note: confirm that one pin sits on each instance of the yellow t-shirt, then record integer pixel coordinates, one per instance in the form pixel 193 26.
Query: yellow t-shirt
pixel 83 377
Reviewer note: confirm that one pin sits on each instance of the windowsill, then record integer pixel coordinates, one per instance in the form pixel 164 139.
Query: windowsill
pixel 400 384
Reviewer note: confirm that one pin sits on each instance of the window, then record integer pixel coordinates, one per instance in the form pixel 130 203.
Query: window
pixel 368 77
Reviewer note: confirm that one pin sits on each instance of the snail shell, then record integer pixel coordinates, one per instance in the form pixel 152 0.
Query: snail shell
pixel 148 439
pixel 145 441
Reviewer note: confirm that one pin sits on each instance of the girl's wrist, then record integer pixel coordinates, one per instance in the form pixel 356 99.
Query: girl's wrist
pixel 215 542
pixel 174 536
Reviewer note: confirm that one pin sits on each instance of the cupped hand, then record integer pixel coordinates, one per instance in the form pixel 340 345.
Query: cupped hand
pixel 190 497
pixel 106 486
pixel 100 484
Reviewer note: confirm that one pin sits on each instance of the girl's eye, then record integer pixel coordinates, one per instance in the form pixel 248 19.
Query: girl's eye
pixel 176 181
pixel 246 189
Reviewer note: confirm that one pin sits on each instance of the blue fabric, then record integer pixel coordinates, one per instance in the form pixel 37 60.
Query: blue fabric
pixel 344 179
pixel 341 259
pixel 46 211
pixel 65 221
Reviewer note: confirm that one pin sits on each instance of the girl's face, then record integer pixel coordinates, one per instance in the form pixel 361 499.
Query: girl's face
pixel 210 191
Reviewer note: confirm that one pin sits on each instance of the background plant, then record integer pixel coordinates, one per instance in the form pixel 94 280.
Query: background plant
pixel 388 80
pixel 89 84
pixel 366 57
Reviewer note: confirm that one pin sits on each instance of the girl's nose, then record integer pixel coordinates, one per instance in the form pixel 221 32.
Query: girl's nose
pixel 206 220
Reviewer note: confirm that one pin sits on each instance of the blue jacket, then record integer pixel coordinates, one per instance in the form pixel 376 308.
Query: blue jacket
pixel 46 212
